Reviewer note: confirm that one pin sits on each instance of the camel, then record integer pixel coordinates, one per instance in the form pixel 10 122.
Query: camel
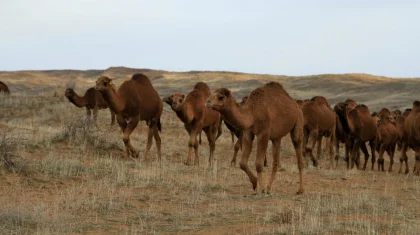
pixel 192 112
pixel 387 136
pixel 91 100
pixel 402 142
pixel 4 89
pixel 270 114
pixel 361 127
pixel 135 100
pixel 396 115
pixel 319 121
pixel 412 132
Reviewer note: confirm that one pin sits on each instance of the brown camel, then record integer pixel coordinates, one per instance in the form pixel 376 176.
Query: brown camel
pixel 192 112
pixel 361 127
pixel 4 89
pixel 269 113
pixel 387 137
pixel 402 142
pixel 91 100
pixel 395 115
pixel 412 130
pixel 136 100
pixel 319 121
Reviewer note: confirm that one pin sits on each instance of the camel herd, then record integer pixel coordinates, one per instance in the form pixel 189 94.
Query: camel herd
pixel 268 113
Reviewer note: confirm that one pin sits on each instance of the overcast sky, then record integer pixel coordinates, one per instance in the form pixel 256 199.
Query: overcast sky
pixel 272 36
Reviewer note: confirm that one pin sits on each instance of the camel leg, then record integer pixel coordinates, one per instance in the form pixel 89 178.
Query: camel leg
pixel 297 139
pixel 381 157
pixel 313 136
pixel 112 118
pixel 131 125
pixel 88 113
pixel 232 134
pixel 235 151
pixel 158 143
pixel 416 171
pixel 319 147
pixel 150 134
pixel 404 158
pixel 211 134
pixel 262 144
pixel 348 151
pixel 219 128
pixel 199 138
pixel 391 152
pixel 337 150
pixel 276 157
pixel 193 144
pixel 329 148
pixel 95 114
pixel 247 138
pixel 372 144
pixel 354 153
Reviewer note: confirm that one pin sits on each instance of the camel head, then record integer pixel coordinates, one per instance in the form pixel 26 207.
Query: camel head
pixel 416 104
pixel 219 99
pixel 69 93
pixel 175 100
pixel 396 114
pixel 104 83
pixel 385 114
pixel 406 112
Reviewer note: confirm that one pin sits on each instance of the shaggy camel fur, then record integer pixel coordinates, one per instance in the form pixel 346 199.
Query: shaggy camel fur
pixel 319 121
pixel 402 142
pixel 192 112
pixel 136 100
pixel 361 127
pixel 269 113
pixel 91 100
pixel 387 138
pixel 3 88
pixel 412 130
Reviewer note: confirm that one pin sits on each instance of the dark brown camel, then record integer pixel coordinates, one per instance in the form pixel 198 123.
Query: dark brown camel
pixel 387 137
pixel 192 112
pixel 361 127
pixel 4 89
pixel 91 100
pixel 319 121
pixel 412 131
pixel 136 100
pixel 270 114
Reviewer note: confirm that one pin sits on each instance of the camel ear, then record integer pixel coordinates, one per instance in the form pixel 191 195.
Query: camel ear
pixel 227 93
pixel 110 81
pixel 182 96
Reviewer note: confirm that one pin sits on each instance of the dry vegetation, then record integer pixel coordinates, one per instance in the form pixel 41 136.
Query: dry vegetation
pixel 62 175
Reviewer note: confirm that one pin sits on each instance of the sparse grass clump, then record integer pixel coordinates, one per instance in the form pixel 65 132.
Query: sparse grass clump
pixel 9 158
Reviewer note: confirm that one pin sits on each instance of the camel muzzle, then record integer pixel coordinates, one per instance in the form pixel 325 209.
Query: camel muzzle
pixel 208 104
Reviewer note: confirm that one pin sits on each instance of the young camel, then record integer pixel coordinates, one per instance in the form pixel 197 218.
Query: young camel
pixel 91 100
pixel 387 138
pixel 361 127
pixel 193 116
pixel 319 121
pixel 136 100
pixel 4 89
pixel 269 113
pixel 412 130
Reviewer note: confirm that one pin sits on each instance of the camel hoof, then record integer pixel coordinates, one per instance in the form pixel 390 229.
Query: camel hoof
pixel 407 171
pixel 233 163
pixel 187 163
pixel 300 192
pixel 281 169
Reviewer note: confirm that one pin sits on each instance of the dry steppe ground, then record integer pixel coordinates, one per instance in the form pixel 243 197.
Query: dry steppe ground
pixel 62 175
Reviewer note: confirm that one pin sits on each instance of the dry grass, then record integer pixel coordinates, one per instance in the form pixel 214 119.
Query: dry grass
pixel 72 178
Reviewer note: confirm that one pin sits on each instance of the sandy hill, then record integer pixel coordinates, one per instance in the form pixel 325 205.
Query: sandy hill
pixel 374 91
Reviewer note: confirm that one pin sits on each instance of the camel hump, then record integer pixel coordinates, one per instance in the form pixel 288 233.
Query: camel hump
pixel 203 87
pixel 274 85
pixel 139 77
pixel 363 108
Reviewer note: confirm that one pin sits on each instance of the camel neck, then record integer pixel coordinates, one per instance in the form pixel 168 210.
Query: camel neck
pixel 78 101
pixel 238 116
pixel 113 100
pixel 182 113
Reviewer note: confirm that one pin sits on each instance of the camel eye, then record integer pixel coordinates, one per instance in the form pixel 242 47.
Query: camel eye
pixel 105 83
pixel 220 97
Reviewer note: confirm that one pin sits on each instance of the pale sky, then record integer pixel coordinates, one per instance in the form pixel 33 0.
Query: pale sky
pixel 269 36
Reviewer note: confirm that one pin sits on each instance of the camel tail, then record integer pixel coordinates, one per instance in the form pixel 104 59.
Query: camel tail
pixel 159 125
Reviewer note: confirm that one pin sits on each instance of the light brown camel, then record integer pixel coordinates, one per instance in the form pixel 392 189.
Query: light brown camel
pixel 395 115
pixel 192 112
pixel 361 127
pixel 319 121
pixel 91 100
pixel 387 137
pixel 269 113
pixel 402 142
pixel 4 89
pixel 412 130
pixel 136 100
